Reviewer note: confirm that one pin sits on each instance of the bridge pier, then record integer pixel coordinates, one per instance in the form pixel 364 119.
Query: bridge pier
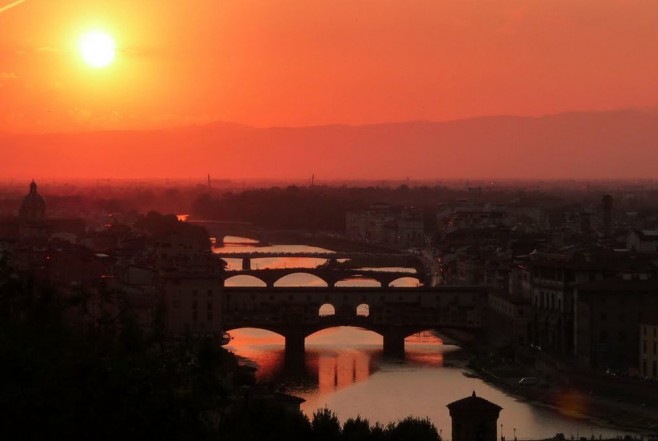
pixel 246 264
pixel 393 344
pixel 295 344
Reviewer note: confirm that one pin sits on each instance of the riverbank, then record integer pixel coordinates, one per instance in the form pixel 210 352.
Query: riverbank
pixel 570 396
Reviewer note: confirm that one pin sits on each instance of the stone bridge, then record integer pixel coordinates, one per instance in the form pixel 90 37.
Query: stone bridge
pixel 331 276
pixel 394 313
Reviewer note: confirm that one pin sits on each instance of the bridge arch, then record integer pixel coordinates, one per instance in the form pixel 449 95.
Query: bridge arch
pixel 244 280
pixel 346 335
pixel 255 334
pixel 246 239
pixel 359 281
pixel 405 281
pixel 300 278
pixel 326 310
pixel 363 310
pixel 423 335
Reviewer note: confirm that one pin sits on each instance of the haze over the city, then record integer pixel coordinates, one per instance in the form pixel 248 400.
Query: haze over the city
pixel 178 72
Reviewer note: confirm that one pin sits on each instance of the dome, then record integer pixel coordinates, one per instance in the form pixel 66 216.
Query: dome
pixel 33 207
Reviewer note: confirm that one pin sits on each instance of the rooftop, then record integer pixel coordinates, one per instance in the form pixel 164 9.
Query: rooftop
pixel 474 404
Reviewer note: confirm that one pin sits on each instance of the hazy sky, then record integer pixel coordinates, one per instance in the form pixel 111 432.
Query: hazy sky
pixel 306 62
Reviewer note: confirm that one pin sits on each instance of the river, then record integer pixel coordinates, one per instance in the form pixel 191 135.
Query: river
pixel 344 369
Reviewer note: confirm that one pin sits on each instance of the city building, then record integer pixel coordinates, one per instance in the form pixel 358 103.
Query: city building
pixel 607 317
pixel 386 225
pixel 555 275
pixel 643 241
pixel 649 350
pixel 191 282
pixel 508 319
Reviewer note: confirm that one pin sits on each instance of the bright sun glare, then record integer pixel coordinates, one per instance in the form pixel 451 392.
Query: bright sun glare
pixel 97 49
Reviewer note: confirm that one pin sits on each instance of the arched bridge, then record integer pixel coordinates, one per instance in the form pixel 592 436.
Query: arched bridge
pixel 331 276
pixel 332 258
pixel 394 313
pixel 330 255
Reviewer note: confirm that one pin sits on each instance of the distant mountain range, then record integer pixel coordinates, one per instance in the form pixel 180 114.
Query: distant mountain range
pixel 584 145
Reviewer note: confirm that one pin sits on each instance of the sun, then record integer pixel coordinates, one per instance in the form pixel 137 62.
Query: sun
pixel 97 49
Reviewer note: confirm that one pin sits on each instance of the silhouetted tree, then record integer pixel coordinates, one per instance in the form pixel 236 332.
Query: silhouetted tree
pixel 356 430
pixel 264 421
pixel 415 429
pixel 325 425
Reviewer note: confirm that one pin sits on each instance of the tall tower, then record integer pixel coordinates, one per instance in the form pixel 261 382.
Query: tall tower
pixel 33 207
pixel 31 216
pixel 474 419
pixel 606 208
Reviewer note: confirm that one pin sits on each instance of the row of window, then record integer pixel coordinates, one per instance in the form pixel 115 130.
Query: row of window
pixel 548 300
pixel 195 311
pixel 645 330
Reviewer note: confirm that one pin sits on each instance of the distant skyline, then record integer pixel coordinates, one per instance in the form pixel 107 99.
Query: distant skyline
pixel 304 63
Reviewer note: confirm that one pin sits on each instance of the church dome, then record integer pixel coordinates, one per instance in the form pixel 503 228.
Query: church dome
pixel 33 207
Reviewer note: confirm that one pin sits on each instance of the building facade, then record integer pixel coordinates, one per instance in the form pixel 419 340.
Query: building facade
pixel 607 320
pixel 649 351
pixel 386 225
pixel 191 281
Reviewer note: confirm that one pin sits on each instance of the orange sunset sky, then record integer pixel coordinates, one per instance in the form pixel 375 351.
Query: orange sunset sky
pixel 277 66
pixel 310 62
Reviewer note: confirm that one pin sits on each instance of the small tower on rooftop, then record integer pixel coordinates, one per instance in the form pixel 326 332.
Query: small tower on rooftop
pixel 474 419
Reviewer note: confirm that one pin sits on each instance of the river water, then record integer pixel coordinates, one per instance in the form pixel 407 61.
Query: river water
pixel 344 369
